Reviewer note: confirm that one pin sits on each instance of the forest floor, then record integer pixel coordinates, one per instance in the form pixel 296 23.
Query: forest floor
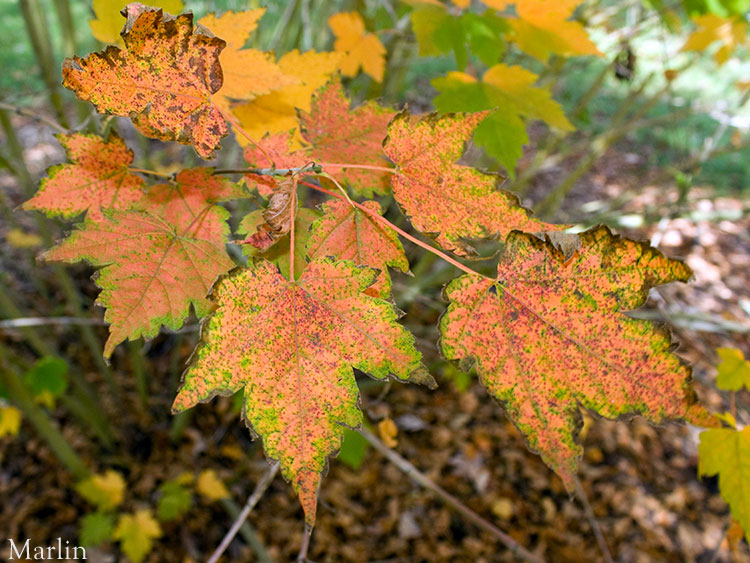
pixel 641 480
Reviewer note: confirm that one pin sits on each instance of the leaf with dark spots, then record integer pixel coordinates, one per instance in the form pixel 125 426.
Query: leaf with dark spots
pixel 291 346
pixel 157 258
pixel 552 336
pixel 163 79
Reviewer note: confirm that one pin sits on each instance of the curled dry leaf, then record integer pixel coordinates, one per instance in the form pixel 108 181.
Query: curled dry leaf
pixel 277 217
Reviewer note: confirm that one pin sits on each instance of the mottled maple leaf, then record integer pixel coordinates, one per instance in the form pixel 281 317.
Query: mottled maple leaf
pixel 338 134
pixel 108 22
pixel 277 112
pixel 445 199
pixel 346 232
pixel 360 49
pixel 97 178
pixel 159 257
pixel 163 79
pixel 247 72
pixel 549 334
pixel 291 347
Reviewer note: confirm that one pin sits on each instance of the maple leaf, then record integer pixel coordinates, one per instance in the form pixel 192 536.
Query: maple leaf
pixel 108 22
pixel 278 148
pixel 726 452
pixel 279 253
pixel 136 533
pixel 247 72
pixel 510 90
pixel 542 28
pixel 163 79
pixel 440 31
pixel 277 112
pixel 729 32
pixel 105 490
pixel 98 178
pixel 549 335
pixel 291 346
pixel 337 134
pixel 348 233
pixel 157 258
pixel 452 201
pixel 733 371
pixel 360 49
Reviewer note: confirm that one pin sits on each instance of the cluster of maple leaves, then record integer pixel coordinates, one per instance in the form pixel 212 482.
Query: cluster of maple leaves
pixel 547 334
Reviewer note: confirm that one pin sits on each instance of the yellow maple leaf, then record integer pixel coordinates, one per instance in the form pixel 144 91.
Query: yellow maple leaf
pixel 10 421
pixel 248 73
pixel 729 32
pixel 360 49
pixel 277 112
pixel 105 490
pixel 136 533
pixel 21 239
pixel 108 23
pixel 542 28
pixel 210 485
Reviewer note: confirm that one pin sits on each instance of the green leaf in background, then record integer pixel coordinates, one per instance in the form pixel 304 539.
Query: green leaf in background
pixel 48 379
pixel 175 501
pixel 353 449
pixel 509 90
pixel 733 371
pixel 96 528
pixel 439 32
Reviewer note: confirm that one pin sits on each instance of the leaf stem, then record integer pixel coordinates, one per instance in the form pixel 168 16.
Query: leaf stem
pixel 292 228
pixel 361 166
pixel 593 522
pixel 420 478
pixel 252 500
pixel 236 124
pixel 383 221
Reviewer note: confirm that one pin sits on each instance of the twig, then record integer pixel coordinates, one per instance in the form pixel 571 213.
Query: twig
pixel 305 546
pixel 47 321
pixel 593 522
pixel 34 115
pixel 252 500
pixel 420 478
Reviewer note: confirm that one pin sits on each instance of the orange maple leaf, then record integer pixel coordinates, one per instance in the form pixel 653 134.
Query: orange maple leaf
pixel 549 334
pixel 164 79
pixel 338 134
pixel 348 233
pixel 291 345
pixel 159 257
pixel 445 199
pixel 97 178
pixel 360 49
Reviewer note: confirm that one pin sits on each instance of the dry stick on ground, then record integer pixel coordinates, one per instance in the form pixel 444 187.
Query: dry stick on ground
pixel 404 465
pixel 252 500
pixel 593 522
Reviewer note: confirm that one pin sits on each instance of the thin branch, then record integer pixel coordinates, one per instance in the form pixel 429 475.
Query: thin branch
pixel 593 522
pixel 420 478
pixel 311 167
pixel 169 175
pixel 383 221
pixel 34 115
pixel 252 500
pixel 47 321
